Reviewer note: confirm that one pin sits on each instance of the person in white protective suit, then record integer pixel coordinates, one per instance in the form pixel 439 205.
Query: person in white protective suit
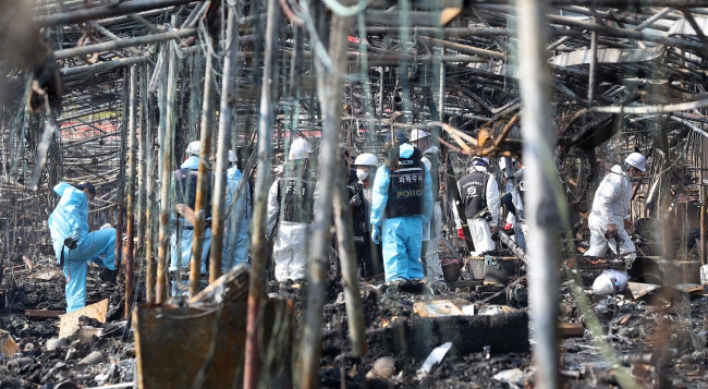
pixel 290 212
pixel 238 217
pixel 480 194
pixel 74 245
pixel 609 218
pixel 421 140
pixel 184 186
pixel 401 205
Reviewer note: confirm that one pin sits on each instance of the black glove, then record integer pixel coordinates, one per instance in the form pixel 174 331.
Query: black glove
pixel 70 243
pixel 355 201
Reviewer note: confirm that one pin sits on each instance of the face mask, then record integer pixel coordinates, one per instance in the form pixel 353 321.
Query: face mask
pixel 361 174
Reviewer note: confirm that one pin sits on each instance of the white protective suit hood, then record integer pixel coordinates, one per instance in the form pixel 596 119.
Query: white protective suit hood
pixel 191 163
pixel 432 150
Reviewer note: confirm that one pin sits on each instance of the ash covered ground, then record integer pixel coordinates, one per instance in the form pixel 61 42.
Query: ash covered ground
pixel 659 340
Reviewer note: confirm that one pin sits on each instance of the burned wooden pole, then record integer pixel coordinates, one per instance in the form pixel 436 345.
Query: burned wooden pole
pixel 120 203
pixel 544 199
pixel 151 201
pixel 258 228
pixel 348 260
pixel 166 173
pixel 218 206
pixel 203 181
pixel 330 90
pixel 142 124
pixel 130 228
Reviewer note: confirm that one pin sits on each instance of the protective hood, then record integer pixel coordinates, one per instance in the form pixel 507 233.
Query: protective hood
pixel 191 163
pixel 405 151
pixel 432 150
pixel 70 214
pixel 233 174
pixel 617 169
pixel 478 168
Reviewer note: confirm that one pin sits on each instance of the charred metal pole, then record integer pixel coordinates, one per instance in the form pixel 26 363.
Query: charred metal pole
pixel 348 259
pixel 544 199
pixel 203 182
pixel 593 61
pixel 130 223
pixel 218 206
pixel 266 119
pixel 515 248
pixel 150 188
pixel 124 43
pixel 105 11
pixel 330 90
pixel 703 225
pixel 166 174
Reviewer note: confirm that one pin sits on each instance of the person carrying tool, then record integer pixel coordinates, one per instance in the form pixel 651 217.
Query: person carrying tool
pixel 421 140
pixel 238 216
pixel 184 183
pixel 480 194
pixel 402 203
pixel 368 253
pixel 75 246
pixel 290 211
pixel 609 217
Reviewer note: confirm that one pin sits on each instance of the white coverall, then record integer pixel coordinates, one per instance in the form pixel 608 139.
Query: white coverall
pixel 291 240
pixel 434 269
pixel 611 205
pixel 480 227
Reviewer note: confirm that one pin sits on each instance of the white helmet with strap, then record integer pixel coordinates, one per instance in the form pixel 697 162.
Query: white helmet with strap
pixel 418 134
pixel 300 149
pixel 366 159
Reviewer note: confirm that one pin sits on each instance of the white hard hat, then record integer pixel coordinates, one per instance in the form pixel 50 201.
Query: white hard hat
pixel 194 147
pixel 418 134
pixel 637 160
pixel 485 159
pixel 366 159
pixel 300 149
pixel 603 285
pixel 232 156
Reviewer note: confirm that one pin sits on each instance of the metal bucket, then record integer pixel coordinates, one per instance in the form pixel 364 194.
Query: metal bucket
pixel 451 269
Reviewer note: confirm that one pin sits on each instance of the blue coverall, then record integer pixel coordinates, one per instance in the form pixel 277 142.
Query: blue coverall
pixel 236 241
pixel 184 232
pixel 401 236
pixel 70 220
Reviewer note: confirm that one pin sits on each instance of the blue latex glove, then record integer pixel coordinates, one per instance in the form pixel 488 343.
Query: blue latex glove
pixel 376 235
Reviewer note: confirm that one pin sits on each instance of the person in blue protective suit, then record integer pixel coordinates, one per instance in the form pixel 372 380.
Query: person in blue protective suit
pixel 238 216
pixel 184 186
pixel 402 203
pixel 74 245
